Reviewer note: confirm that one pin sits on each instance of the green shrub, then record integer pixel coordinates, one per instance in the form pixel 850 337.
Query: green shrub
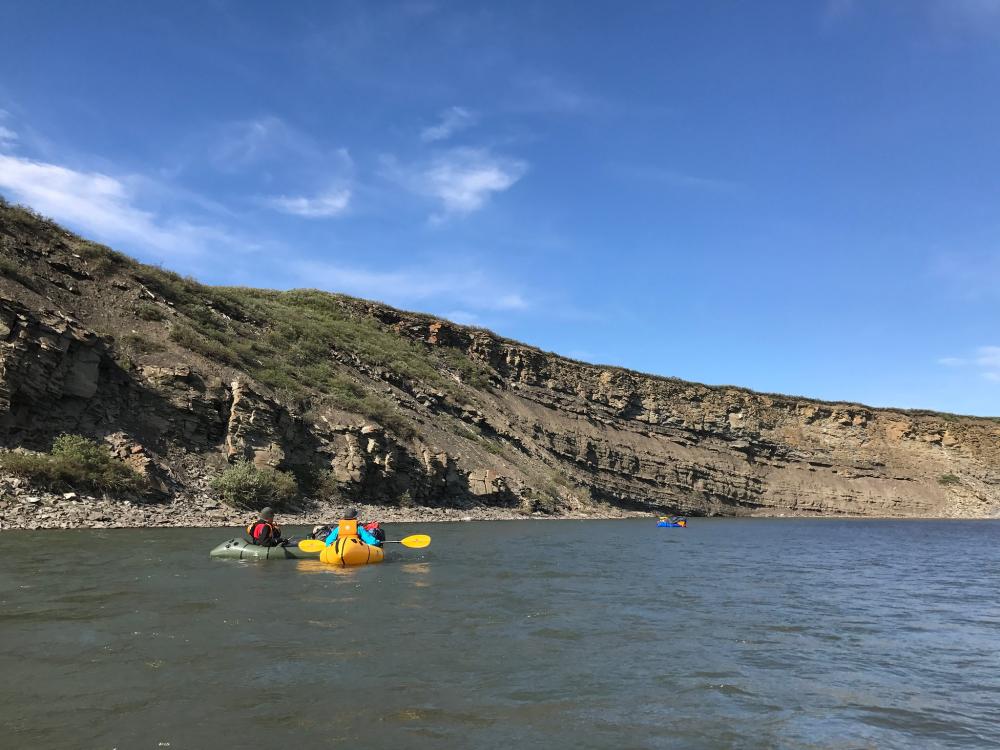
pixel 949 479
pixel 150 312
pixel 189 338
pixel 13 271
pixel 75 463
pixel 541 501
pixel 141 344
pixel 102 260
pixel 244 485
pixel 328 488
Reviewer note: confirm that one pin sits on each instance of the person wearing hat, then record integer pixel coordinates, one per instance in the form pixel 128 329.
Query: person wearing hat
pixel 349 528
pixel 264 531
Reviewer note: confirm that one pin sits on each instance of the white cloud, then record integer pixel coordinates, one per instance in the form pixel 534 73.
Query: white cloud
pixel 985 359
pixel 102 205
pixel 324 206
pixel 463 317
pixel 988 358
pixel 452 120
pixel 456 289
pixel 511 302
pixel 461 179
pixel 7 137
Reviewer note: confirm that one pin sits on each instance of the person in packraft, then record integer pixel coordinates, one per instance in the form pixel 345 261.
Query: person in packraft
pixel 264 531
pixel 349 528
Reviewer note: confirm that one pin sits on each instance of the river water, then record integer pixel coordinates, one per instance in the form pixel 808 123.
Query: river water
pixel 561 634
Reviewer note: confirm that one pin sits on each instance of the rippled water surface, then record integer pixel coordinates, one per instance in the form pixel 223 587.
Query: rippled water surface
pixel 565 634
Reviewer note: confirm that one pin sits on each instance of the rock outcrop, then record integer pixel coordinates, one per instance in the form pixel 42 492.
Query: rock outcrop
pixel 89 345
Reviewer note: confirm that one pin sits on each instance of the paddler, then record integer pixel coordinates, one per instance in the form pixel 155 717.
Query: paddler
pixel 349 528
pixel 264 531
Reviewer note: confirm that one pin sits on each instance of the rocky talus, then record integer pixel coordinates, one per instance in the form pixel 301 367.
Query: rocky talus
pixel 533 433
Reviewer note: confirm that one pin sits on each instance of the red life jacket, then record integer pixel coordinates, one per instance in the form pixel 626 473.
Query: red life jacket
pixel 263 531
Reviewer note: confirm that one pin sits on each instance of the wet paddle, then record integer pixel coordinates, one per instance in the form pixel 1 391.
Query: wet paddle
pixel 416 541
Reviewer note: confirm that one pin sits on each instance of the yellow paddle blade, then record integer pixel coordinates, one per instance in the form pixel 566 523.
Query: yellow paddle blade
pixel 416 541
pixel 312 545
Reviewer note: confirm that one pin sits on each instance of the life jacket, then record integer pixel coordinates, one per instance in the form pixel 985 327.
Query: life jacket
pixel 347 528
pixel 260 537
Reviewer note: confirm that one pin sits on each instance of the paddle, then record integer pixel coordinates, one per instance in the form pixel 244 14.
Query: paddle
pixel 417 541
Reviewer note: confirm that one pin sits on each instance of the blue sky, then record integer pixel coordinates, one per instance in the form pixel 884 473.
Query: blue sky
pixel 798 197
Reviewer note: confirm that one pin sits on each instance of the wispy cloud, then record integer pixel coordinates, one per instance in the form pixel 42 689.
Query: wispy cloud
pixel 462 180
pixel 985 360
pixel 547 94
pixel 461 290
pixel 246 142
pixel 970 275
pixel 102 205
pixel 7 136
pixel 273 152
pixel 973 15
pixel 451 121
pixel 674 178
pixel 463 317
pixel 324 206
pixel 946 16
pixel 836 10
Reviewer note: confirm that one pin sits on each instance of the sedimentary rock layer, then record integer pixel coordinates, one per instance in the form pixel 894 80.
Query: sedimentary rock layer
pixel 81 352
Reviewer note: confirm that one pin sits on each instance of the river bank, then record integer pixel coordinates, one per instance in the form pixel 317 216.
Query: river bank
pixel 27 508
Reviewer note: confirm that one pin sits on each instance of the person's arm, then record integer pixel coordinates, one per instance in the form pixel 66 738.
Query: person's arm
pixel 366 536
pixel 333 537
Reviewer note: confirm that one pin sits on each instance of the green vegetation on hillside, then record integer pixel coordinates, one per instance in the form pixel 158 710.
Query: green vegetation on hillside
pixel 244 485
pixel 75 463
pixel 291 342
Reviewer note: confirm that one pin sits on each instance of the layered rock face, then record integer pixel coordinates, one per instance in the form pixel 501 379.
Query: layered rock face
pixel 539 433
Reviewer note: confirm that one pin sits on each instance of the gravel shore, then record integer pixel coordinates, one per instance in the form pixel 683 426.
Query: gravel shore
pixel 25 508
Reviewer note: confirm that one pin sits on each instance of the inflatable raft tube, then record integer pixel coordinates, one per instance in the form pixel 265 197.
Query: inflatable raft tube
pixel 670 523
pixel 345 552
pixel 241 549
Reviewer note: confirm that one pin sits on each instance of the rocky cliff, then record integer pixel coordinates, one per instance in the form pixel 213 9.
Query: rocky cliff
pixel 374 404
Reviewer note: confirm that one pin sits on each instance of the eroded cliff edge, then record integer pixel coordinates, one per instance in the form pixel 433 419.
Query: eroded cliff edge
pixel 406 410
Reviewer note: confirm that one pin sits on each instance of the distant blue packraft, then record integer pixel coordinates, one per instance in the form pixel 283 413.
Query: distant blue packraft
pixel 672 522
